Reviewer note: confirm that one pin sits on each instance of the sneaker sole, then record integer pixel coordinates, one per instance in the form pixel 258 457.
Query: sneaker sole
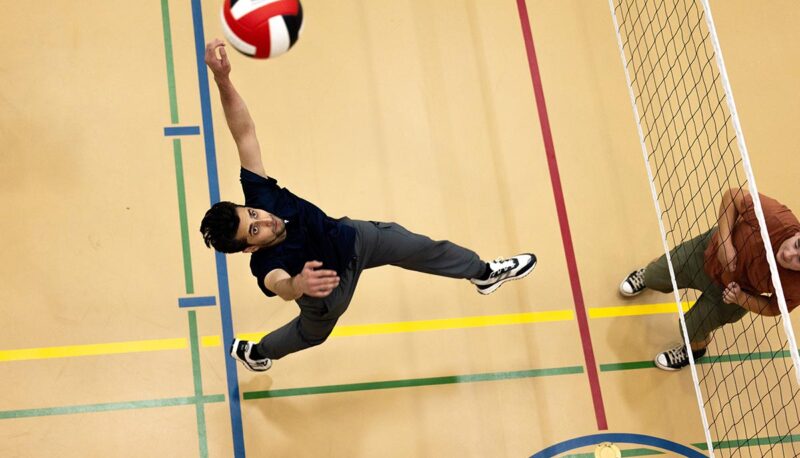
pixel 232 352
pixel 492 288
pixel 232 349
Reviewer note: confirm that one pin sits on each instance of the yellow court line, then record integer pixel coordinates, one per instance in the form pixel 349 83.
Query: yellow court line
pixel 215 341
pixel 636 310
pixel 340 331
pixel 427 325
pixel 93 349
pixel 453 323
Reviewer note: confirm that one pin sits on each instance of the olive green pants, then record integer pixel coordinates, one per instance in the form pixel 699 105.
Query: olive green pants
pixel 709 311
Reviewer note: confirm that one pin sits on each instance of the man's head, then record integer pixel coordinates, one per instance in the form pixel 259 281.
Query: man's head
pixel 789 253
pixel 231 228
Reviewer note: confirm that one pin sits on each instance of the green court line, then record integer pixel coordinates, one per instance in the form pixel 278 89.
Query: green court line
pixel 173 98
pixel 752 442
pixel 703 361
pixel 111 406
pixel 184 220
pixel 176 148
pixel 412 382
pixel 744 357
pixel 198 385
pixel 640 452
pixel 625 453
pixel 627 366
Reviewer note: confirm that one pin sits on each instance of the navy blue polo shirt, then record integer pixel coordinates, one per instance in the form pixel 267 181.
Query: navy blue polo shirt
pixel 311 235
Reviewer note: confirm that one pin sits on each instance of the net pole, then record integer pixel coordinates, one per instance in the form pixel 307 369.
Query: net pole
pixel 678 302
pixel 751 180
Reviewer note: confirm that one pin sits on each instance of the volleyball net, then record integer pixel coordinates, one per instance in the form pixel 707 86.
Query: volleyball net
pixel 694 152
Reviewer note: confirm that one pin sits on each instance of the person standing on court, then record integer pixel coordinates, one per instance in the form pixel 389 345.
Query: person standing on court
pixel 301 254
pixel 728 263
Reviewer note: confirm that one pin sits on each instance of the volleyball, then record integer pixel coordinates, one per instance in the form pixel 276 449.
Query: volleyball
pixel 262 28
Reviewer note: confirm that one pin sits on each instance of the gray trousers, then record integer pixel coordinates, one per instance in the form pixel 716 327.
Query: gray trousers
pixel 377 244
pixel 709 312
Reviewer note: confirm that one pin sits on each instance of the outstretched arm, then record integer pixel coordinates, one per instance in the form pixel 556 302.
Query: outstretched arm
pixel 238 118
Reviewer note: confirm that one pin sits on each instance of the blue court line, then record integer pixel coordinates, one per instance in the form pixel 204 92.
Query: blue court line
pixel 176 131
pixel 618 438
pixel 201 301
pixel 234 403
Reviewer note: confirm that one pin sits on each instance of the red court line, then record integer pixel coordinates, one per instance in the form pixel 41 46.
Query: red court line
pixel 563 221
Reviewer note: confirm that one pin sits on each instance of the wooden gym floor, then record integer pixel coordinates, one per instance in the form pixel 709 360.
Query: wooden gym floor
pixel 115 314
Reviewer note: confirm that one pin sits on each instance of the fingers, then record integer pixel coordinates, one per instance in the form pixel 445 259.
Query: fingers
pixel 321 274
pixel 321 287
pixel 211 47
pixel 731 292
pixel 213 44
pixel 313 271
pixel 726 297
pixel 319 282
pixel 322 290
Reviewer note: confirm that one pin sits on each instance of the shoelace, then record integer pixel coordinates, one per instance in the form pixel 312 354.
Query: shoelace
pixel 500 266
pixel 636 279
pixel 677 355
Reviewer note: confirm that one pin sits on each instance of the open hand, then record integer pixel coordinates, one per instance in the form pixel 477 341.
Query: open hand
pixel 732 294
pixel 316 283
pixel 220 66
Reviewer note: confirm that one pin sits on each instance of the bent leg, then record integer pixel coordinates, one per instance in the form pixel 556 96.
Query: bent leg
pixel 688 261
pixel 393 244
pixel 708 314
pixel 298 334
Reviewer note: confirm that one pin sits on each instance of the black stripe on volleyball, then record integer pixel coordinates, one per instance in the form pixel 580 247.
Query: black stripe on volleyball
pixel 293 24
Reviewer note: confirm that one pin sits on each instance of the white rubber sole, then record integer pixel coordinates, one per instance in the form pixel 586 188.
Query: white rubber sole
pixel 663 367
pixel 492 288
pixel 627 294
pixel 232 352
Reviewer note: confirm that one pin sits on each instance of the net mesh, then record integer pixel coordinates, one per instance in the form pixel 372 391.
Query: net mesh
pixel 746 379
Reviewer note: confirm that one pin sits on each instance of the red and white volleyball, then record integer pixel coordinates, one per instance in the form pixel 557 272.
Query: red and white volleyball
pixel 262 28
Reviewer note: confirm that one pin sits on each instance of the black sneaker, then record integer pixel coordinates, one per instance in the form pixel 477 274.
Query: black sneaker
pixel 676 358
pixel 240 350
pixel 633 283
pixel 503 270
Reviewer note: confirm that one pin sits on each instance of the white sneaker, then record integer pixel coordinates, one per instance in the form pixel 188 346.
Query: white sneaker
pixel 503 270
pixel 240 350
pixel 633 284
pixel 676 358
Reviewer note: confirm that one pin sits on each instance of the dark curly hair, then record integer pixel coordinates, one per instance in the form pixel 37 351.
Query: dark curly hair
pixel 219 227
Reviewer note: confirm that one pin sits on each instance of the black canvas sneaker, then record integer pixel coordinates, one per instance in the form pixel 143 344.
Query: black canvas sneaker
pixel 633 283
pixel 676 358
